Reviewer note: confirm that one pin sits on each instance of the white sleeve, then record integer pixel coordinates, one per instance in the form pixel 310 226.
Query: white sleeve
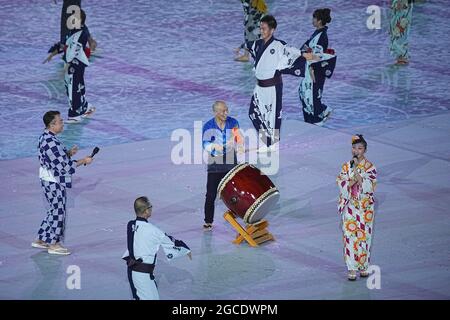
pixel 287 57
pixel 172 247
pixel 75 49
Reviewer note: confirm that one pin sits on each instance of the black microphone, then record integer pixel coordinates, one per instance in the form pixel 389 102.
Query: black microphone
pixel 94 152
pixel 352 162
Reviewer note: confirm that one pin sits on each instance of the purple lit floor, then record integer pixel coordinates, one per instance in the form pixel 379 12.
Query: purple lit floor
pixel 159 68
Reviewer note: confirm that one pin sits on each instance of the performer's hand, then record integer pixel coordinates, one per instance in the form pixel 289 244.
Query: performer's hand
pixel 240 148
pixel 73 151
pixel 92 44
pixel 230 144
pixel 307 55
pixel 85 161
pixel 218 147
pixel 311 72
pixel 88 160
pixel 237 50
pixel 310 56
pixel 190 255
pixel 50 56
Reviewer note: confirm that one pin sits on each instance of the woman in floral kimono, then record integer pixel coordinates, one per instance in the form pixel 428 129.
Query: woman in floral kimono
pixel 399 29
pixel 356 183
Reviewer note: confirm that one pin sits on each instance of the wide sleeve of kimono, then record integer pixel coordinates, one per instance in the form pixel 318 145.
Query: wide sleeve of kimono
pixel 287 57
pixel 59 161
pixel 369 177
pixel 173 248
pixel 75 48
pixel 343 181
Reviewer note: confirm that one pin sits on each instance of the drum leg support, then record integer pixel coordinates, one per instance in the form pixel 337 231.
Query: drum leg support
pixel 254 234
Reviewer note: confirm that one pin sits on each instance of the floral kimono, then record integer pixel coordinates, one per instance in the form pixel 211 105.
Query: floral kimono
pixel 399 28
pixel 356 207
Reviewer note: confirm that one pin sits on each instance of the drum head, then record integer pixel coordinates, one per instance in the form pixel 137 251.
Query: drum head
pixel 262 206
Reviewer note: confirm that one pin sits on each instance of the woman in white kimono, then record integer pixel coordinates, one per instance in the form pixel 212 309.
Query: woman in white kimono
pixel 357 181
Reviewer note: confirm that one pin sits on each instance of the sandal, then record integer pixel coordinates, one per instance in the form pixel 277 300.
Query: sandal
pixel 363 273
pixel 401 62
pixel 351 275
pixel 89 112
pixel 40 244
pixel 207 226
pixel 74 120
pixel 59 250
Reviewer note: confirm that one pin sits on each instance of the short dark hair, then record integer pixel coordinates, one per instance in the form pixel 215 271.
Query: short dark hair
pixel 141 204
pixel 49 116
pixel 323 15
pixel 360 139
pixel 270 20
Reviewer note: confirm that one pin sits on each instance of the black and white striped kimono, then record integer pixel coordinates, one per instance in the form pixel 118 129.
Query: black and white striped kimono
pixel 270 61
pixel 144 240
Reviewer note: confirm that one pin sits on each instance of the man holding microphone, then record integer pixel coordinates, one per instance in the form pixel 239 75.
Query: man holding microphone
pixel 55 173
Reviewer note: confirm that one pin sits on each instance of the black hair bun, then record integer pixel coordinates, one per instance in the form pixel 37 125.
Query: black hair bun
pixel 323 15
pixel 326 15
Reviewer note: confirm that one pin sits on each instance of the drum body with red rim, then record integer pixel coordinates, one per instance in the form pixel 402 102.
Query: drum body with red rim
pixel 248 193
